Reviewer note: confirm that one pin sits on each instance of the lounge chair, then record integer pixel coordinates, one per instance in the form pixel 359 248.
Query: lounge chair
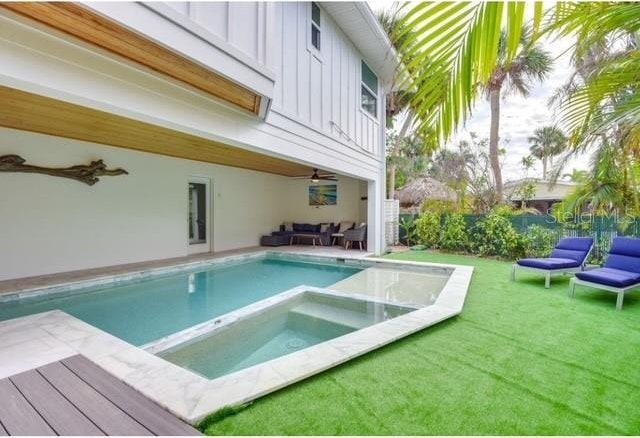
pixel 620 274
pixel 569 255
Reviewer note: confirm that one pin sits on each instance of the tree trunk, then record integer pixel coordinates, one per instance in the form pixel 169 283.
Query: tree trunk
pixel 394 153
pixel 494 98
pixel 544 167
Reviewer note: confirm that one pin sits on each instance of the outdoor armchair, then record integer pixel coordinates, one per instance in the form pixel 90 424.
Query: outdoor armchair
pixel 358 234
pixel 569 255
pixel 620 274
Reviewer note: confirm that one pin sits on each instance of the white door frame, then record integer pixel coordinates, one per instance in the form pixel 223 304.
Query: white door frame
pixel 207 245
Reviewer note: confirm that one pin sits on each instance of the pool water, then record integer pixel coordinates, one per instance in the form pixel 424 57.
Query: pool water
pixel 293 325
pixel 143 311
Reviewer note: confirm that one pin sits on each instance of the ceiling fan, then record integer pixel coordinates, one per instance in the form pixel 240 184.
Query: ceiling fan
pixel 316 177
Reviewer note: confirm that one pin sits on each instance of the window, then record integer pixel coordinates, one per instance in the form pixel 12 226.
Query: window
pixel 315 26
pixel 369 91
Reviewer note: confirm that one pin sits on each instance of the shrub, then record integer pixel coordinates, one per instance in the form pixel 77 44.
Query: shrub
pixel 428 229
pixel 454 234
pixel 495 236
pixel 540 241
pixel 409 229
pixel 438 206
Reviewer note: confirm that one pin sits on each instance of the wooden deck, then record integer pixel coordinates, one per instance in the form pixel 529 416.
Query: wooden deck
pixel 76 397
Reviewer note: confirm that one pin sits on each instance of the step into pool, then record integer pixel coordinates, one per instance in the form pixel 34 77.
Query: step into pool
pixel 293 325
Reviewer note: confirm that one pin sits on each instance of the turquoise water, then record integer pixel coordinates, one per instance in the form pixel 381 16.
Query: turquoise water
pixel 283 329
pixel 143 311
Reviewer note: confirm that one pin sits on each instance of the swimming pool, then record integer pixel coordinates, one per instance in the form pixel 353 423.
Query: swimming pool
pixel 226 331
pixel 143 311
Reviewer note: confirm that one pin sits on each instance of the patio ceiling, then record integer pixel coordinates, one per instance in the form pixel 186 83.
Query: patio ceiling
pixel 84 24
pixel 36 113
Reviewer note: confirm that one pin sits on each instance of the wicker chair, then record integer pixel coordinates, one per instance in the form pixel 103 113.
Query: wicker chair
pixel 358 234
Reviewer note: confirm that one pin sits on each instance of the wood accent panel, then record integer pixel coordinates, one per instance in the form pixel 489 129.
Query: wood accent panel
pixel 32 112
pixel 80 22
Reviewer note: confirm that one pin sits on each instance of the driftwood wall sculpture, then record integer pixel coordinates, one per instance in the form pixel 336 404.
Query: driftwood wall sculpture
pixel 87 174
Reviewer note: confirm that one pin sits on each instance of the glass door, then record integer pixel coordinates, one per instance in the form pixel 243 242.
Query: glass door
pixel 198 217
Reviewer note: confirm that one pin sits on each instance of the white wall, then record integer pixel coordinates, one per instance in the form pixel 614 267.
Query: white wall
pixel 348 207
pixel 50 224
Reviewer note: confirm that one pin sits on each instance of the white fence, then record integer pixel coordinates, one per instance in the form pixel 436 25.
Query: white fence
pixel 391 221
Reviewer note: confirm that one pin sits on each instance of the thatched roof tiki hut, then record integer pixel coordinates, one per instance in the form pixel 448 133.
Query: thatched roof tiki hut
pixel 416 192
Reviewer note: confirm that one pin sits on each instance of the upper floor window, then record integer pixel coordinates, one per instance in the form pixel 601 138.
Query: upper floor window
pixel 369 91
pixel 315 26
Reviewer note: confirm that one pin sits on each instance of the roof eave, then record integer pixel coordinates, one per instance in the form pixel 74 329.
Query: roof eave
pixel 374 44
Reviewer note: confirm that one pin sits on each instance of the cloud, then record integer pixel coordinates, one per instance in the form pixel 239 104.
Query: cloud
pixel 520 116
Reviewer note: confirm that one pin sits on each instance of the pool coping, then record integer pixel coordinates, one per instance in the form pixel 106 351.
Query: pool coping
pixel 34 340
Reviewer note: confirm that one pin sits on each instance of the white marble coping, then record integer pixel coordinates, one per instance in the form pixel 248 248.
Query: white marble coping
pixel 35 340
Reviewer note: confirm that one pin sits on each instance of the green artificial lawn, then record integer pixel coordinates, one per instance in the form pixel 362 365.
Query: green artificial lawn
pixel 519 360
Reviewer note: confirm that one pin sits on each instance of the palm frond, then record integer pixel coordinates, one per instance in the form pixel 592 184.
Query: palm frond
pixel 452 51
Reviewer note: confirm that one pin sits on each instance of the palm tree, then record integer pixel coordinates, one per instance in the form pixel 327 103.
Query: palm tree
pixel 576 175
pixel 516 75
pixel 398 102
pixel 546 143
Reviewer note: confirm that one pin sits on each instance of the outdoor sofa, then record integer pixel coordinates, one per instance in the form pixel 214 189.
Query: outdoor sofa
pixel 323 231
pixel 620 274
pixel 569 255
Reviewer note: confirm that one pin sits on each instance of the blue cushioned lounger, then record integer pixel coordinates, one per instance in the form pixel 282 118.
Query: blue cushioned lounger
pixel 569 255
pixel 621 271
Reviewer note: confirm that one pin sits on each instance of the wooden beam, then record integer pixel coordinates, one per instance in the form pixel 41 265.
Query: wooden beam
pixel 36 113
pixel 88 26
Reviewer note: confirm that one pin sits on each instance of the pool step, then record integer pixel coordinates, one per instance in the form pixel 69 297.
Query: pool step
pixel 335 315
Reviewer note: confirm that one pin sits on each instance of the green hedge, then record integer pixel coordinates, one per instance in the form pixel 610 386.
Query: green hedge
pixel 506 235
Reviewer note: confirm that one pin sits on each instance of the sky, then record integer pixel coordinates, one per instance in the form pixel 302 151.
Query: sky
pixel 520 116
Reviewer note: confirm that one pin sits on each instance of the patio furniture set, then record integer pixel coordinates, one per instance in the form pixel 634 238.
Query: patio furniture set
pixel 344 233
pixel 619 275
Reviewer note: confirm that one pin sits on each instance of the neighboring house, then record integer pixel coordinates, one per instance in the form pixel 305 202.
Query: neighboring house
pixel 211 108
pixel 419 190
pixel 544 193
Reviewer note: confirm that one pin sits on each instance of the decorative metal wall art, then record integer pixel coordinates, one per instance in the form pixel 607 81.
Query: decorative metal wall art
pixel 87 174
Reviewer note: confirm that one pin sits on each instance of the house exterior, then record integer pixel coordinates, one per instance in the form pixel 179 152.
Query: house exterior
pixel 544 193
pixel 213 110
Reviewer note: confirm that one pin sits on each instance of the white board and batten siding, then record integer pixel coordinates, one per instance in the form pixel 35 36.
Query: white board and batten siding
pixel 320 88
pixel 316 93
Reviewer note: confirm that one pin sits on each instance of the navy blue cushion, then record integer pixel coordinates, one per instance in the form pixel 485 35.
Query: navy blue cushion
pixel 577 256
pixel 623 262
pixel 610 277
pixel 575 248
pixel 575 243
pixel 627 246
pixel 550 263
pixel 298 228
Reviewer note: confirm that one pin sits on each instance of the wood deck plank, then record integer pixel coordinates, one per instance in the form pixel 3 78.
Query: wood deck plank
pixel 103 413
pixel 63 417
pixel 146 412
pixel 17 415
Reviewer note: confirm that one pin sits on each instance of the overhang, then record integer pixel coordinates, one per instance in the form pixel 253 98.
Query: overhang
pixel 36 113
pixel 359 23
pixel 98 29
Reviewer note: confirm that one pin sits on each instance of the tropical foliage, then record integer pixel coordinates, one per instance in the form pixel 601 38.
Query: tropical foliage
pixel 428 229
pixel 454 233
pixel 546 143
pixel 454 52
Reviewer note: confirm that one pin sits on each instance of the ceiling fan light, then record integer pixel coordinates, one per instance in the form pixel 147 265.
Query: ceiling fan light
pixel 315 178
